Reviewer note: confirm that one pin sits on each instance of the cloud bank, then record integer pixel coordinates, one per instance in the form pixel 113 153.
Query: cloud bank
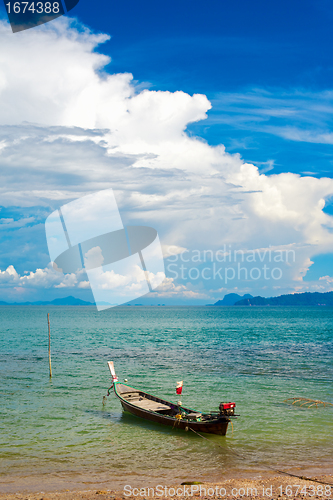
pixel 68 127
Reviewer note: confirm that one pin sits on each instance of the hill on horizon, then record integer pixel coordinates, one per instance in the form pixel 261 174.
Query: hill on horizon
pixel 66 301
pixel 231 298
pixel 292 299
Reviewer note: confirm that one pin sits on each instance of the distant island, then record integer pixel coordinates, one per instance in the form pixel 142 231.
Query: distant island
pixel 293 299
pixel 67 301
pixel 232 298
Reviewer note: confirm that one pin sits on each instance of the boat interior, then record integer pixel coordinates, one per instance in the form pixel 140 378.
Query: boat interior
pixel 152 403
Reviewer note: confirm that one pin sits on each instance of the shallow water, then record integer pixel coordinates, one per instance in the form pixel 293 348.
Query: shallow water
pixel 256 357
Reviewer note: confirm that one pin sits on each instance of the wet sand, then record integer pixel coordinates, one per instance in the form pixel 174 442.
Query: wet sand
pixel 262 486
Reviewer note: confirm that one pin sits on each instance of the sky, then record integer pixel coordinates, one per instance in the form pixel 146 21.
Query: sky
pixel 211 122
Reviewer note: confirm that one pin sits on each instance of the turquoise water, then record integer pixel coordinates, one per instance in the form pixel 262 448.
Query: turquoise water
pixel 256 357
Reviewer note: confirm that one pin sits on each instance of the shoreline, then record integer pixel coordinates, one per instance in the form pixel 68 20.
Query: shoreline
pixel 260 487
pixel 259 484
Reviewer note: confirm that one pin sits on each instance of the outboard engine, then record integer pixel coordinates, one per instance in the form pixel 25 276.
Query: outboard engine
pixel 227 408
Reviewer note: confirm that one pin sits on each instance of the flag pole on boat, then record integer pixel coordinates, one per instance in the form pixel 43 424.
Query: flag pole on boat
pixel 48 322
pixel 179 388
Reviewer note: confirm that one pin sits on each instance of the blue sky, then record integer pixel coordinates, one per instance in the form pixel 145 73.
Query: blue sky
pixel 265 67
pixel 217 46
pixel 278 54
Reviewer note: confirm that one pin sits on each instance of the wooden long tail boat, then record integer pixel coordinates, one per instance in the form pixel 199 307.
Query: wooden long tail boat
pixel 158 410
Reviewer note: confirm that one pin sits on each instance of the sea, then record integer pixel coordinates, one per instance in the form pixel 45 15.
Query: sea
pixel 259 357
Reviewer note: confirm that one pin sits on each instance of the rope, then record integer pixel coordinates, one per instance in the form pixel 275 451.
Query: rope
pixel 265 466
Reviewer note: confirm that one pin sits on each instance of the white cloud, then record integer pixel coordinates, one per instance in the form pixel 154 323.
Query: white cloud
pixel 170 289
pixel 48 278
pixel 8 223
pixel 90 130
pixel 299 135
pixel 121 286
pixel 296 115
pixel 93 258
pixel 43 69
pixel 41 279
pixel 169 250
pixel 9 276
pixel 111 280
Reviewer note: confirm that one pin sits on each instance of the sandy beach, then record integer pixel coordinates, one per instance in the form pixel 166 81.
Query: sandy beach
pixel 262 486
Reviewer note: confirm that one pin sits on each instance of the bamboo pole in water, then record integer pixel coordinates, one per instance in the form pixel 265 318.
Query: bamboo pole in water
pixel 48 321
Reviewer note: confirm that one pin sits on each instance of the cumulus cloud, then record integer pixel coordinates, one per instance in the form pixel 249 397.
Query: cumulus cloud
pixel 169 250
pixel 109 285
pixel 41 278
pixel 169 289
pixel 9 275
pixel 69 128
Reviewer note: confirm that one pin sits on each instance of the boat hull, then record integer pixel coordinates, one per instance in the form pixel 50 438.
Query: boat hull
pixel 219 427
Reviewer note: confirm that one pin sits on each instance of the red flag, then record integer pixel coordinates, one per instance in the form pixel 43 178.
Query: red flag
pixel 179 387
